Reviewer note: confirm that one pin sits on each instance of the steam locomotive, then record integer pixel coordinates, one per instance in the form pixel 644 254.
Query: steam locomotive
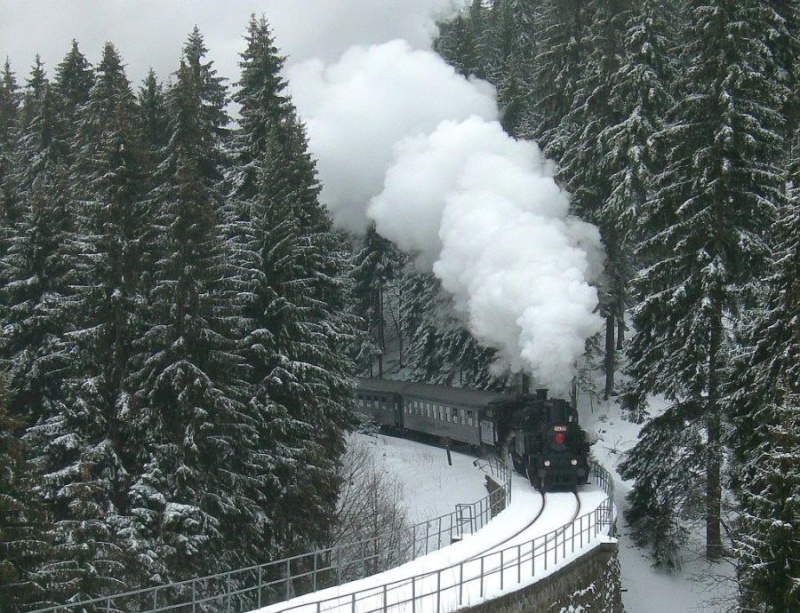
pixel 541 435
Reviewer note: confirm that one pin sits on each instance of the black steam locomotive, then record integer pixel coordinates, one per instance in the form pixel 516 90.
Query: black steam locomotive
pixel 540 434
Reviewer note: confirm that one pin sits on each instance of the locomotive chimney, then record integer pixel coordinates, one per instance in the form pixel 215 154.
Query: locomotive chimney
pixel 541 394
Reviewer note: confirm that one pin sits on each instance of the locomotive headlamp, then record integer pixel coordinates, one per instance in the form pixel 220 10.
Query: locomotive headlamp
pixel 547 462
pixel 574 462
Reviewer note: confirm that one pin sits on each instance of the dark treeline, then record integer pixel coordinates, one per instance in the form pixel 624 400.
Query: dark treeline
pixel 174 332
pixel 674 125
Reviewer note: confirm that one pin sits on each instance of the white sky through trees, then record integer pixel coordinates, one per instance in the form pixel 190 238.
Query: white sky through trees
pixel 400 139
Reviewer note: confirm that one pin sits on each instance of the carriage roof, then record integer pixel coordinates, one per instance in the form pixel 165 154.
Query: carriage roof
pixel 430 392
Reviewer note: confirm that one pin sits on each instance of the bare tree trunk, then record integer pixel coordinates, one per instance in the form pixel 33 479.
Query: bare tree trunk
pixel 610 362
pixel 621 331
pixel 714 462
pixel 713 491
pixel 381 331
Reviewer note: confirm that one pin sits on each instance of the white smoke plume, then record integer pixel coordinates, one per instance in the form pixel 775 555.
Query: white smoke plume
pixel 403 140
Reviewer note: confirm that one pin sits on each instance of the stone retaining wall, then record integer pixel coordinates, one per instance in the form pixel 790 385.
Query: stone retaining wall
pixel 590 584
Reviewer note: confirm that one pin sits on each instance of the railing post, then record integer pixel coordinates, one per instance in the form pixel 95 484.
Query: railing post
pixel 519 563
pixel 260 584
pixel 314 575
pixel 385 599
pixel 194 595
pixel 438 591
pixel 502 569
pixel 545 551
pixel 481 585
pixel 460 583
pixel 413 595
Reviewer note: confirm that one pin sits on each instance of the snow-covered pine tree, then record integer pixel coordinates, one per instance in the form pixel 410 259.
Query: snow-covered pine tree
pixel 704 230
pixel 560 56
pixel 377 268
pixel 456 43
pixel 764 389
pixel 512 25
pixel 74 78
pixel 290 274
pixel 586 165
pixel 189 506
pixel 9 118
pixel 441 348
pixel 767 545
pixel 640 93
pixel 34 268
pixel 153 117
pixel 88 478
pixel 24 548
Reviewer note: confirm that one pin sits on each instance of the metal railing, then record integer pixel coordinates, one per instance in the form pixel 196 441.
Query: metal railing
pixel 471 580
pixel 257 586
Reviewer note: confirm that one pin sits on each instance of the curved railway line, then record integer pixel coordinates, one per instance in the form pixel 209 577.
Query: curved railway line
pixel 449 581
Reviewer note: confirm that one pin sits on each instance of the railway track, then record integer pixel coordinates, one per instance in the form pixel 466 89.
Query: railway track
pixel 489 560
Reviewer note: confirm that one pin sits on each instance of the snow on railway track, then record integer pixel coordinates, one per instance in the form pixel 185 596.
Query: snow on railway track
pixel 532 537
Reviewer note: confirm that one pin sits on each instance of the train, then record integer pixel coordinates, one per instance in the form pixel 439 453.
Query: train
pixel 541 435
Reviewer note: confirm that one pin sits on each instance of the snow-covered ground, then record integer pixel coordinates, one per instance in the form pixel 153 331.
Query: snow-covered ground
pixel 451 575
pixel 699 586
pixel 433 488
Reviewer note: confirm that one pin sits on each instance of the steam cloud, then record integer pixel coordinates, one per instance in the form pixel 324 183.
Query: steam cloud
pixel 402 139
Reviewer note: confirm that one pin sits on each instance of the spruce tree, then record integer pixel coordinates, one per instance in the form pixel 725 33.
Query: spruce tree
pixel 441 348
pixel 290 274
pixel 704 231
pixel 376 270
pixel 767 544
pixel 187 504
pixel 24 548
pixel 34 267
pixel 88 478
pixel 763 393
pixel 560 56
pixel 9 118
pixel 513 27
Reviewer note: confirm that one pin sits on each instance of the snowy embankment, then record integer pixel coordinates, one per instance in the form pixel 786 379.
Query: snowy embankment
pixel 468 571
pixel 700 585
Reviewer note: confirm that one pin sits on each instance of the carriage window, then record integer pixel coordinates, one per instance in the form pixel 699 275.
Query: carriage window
pixel 469 418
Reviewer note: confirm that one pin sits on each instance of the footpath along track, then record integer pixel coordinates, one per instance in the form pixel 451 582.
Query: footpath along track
pixel 492 560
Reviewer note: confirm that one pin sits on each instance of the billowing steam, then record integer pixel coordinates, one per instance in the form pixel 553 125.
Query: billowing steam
pixel 403 140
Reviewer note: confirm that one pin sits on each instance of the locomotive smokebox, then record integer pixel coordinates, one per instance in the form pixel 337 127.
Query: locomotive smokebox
pixel 541 394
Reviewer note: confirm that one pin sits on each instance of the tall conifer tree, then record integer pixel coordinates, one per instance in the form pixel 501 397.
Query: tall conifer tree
pixel 705 224
pixel 291 273
pixel 90 474
pixel 35 269
pixel 187 503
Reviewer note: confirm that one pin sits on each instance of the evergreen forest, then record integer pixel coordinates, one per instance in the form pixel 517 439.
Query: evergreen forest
pixel 182 323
